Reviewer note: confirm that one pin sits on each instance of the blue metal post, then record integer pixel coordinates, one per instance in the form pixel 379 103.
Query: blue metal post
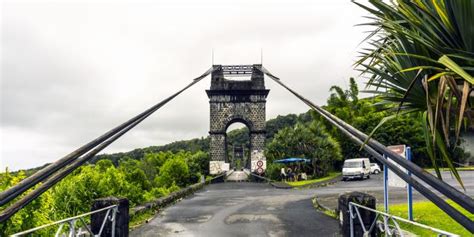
pixel 385 186
pixel 409 188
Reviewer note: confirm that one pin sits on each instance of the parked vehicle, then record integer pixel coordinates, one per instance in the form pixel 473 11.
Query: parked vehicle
pixel 374 168
pixel 356 168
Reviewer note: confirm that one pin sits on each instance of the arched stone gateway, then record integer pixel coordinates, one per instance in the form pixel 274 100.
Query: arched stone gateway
pixel 237 101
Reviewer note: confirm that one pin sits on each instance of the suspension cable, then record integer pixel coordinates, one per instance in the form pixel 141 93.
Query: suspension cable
pixel 461 198
pixel 44 173
pixel 50 182
pixel 353 135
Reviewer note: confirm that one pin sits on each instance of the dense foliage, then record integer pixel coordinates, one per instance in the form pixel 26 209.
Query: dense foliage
pixel 365 115
pixel 305 141
pixel 156 175
pixel 421 60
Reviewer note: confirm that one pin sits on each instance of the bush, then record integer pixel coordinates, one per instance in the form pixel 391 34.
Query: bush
pixel 273 171
pixel 132 179
pixel 174 171
pixel 158 192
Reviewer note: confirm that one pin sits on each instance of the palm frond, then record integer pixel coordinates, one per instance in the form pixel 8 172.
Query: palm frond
pixel 429 39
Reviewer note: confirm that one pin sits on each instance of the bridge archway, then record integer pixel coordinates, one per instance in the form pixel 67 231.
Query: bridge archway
pixel 238 145
pixel 237 101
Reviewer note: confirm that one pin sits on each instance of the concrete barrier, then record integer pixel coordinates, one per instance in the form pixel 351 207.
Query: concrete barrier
pixel 166 200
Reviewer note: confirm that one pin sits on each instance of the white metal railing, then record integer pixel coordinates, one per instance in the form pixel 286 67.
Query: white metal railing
pixel 77 225
pixel 384 225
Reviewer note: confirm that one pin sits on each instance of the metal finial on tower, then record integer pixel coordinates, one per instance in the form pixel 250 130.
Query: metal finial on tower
pixel 261 56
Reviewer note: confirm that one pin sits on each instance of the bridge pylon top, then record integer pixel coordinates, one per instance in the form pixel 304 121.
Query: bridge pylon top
pixel 224 77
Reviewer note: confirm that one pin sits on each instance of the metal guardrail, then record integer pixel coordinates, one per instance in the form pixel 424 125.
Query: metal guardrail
pixel 382 221
pixel 72 223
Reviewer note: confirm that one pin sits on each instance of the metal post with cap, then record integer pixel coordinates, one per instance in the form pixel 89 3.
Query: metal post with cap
pixel 409 188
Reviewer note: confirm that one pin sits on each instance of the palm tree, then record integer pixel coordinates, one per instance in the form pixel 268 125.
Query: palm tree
pixel 420 59
pixel 342 99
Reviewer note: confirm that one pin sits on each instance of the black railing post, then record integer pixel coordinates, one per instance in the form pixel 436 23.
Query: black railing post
pixel 122 218
pixel 366 215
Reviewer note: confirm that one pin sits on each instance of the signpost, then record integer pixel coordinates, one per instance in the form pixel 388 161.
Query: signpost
pixel 393 179
pixel 390 179
pixel 385 187
pixel 409 189
pixel 258 162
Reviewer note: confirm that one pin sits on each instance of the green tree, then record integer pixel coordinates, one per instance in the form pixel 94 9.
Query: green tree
pixel 173 171
pixel 365 114
pixel 123 177
pixel 103 165
pixel 37 213
pixel 198 164
pixel 303 141
pixel 345 102
pixel 152 162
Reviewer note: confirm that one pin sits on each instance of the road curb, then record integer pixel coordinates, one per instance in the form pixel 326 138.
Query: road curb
pixel 324 209
pixel 281 185
pixel 322 183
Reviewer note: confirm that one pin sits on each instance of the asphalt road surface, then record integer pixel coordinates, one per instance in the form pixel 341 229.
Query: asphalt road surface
pixel 242 209
pixel 374 186
pixel 237 176
pixel 256 209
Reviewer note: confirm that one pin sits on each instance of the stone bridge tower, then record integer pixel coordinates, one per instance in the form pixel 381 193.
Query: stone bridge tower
pixel 237 101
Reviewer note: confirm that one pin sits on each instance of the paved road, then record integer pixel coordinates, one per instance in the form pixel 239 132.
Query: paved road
pixel 237 176
pixel 374 185
pixel 252 209
pixel 242 209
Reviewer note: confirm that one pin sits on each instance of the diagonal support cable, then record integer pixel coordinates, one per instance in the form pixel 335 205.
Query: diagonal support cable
pixel 464 200
pixel 374 151
pixel 41 175
pixel 50 182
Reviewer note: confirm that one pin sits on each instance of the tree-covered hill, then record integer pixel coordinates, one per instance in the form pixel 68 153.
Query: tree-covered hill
pixel 237 136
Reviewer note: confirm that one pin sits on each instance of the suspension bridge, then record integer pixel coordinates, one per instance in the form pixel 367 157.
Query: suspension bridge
pixel 235 101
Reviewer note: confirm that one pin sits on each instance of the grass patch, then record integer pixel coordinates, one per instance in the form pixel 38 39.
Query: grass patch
pixel 467 168
pixel 429 214
pixel 313 181
pixel 138 219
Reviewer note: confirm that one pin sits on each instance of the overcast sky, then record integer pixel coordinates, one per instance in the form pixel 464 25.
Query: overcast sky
pixel 71 70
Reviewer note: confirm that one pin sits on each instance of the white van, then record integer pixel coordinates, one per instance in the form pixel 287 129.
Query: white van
pixel 356 168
